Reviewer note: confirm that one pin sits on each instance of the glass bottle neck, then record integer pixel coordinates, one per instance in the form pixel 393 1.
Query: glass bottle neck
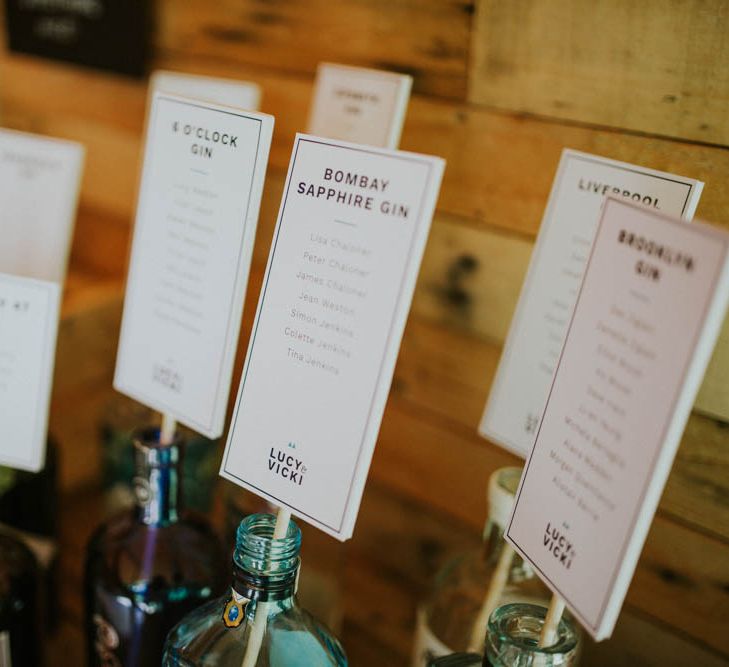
pixel 512 639
pixel 157 492
pixel 157 480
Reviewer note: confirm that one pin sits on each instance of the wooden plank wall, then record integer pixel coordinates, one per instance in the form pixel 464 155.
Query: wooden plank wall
pixel 500 88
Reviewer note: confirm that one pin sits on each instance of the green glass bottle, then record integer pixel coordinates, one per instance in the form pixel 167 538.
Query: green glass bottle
pixel 260 620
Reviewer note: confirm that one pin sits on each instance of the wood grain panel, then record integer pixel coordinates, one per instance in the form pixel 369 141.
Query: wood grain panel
pixel 656 67
pixel 406 36
pixel 500 167
pixel 682 579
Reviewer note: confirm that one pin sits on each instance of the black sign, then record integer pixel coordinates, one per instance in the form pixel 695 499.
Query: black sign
pixel 110 34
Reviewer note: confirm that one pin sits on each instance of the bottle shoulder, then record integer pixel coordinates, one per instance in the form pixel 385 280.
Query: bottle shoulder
pixel 124 528
pixel 292 637
pixel 124 552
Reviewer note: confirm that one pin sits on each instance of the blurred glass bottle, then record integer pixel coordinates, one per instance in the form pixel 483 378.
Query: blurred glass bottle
pixel 121 417
pixel 20 620
pixel 512 640
pixel 29 508
pixel 260 616
pixel 146 568
pixel 454 617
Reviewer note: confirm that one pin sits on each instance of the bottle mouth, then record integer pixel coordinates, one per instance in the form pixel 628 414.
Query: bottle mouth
pixel 258 552
pixel 149 452
pixel 514 630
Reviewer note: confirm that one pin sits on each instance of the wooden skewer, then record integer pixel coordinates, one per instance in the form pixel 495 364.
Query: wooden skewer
pixel 496 589
pixel 551 623
pixel 167 430
pixel 260 618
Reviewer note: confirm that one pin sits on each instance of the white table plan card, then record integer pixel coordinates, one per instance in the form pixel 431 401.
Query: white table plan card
pixel 346 251
pixel 536 334
pixel 40 180
pixel 200 193
pixel 29 312
pixel 647 317
pixel 365 106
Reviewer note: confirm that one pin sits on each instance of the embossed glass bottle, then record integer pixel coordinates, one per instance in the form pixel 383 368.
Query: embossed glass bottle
pixel 260 619
pixel 452 618
pixel 512 640
pixel 147 568
pixel 19 611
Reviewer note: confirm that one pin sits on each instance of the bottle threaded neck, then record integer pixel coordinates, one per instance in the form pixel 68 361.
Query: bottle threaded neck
pixel 265 568
pixel 513 638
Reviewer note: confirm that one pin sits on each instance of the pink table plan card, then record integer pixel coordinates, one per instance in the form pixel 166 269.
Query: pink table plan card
pixel 365 106
pixel 647 317
pixel 349 239
pixel 548 295
pixel 200 193
pixel 29 311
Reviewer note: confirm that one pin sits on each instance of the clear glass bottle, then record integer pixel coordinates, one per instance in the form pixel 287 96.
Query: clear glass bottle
pixel 512 639
pixel 148 567
pixel 455 614
pixel 320 583
pixel 20 619
pixel 260 619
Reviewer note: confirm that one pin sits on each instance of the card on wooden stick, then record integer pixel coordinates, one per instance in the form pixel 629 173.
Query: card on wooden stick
pixel 29 311
pixel 341 272
pixel 40 179
pixel 365 106
pixel 519 390
pixel 202 180
pixel 647 316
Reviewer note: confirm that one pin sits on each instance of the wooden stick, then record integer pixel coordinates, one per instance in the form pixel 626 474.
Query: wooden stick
pixel 551 623
pixel 282 523
pixel 495 590
pixel 260 618
pixel 167 430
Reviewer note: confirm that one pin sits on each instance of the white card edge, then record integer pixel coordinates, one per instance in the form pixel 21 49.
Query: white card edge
pixel 358 484
pixel 706 339
pixel 696 368
pixel 36 461
pixel 75 160
pixel 403 82
pixel 217 422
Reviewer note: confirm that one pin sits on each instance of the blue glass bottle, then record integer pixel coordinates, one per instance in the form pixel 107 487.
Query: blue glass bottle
pixel 148 567
pixel 261 605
